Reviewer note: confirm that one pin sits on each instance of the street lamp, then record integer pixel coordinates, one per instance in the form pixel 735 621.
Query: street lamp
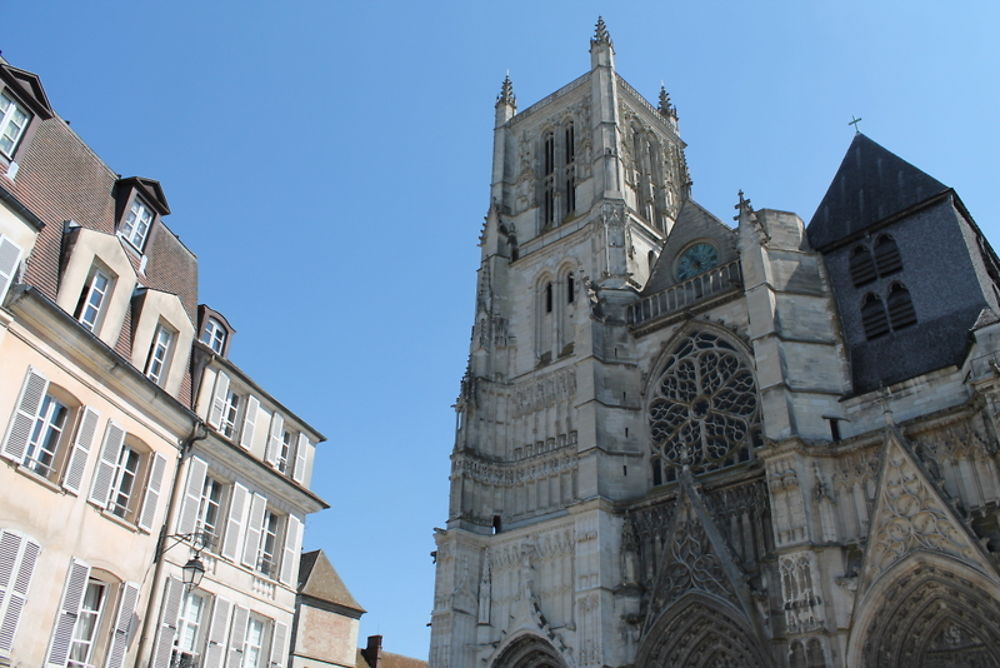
pixel 194 569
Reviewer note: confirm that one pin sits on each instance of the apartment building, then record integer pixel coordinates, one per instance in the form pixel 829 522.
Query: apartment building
pixel 154 496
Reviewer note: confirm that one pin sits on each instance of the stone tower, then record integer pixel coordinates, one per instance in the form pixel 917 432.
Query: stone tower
pixel 683 443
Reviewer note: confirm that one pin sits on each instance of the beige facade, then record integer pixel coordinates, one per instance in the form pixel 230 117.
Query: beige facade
pixel 686 444
pixel 131 445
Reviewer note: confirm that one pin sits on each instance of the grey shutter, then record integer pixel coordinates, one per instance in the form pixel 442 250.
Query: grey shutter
pixel 234 526
pixel 218 399
pixel 10 254
pixel 32 393
pixel 69 610
pixel 301 450
pixel 188 519
pixel 237 637
pixel 293 545
pixel 249 422
pixel 279 645
pixel 18 556
pixel 123 624
pixel 172 592
pixel 152 499
pixel 217 632
pixel 254 524
pixel 114 437
pixel 274 438
pixel 82 442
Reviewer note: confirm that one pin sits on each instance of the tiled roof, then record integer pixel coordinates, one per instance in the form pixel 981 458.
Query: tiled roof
pixel 319 579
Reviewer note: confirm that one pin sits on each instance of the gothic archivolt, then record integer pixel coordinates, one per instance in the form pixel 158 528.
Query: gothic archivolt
pixel 529 651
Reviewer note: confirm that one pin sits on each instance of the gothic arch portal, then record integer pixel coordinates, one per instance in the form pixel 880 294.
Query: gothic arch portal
pixel 928 612
pixel 529 651
pixel 699 632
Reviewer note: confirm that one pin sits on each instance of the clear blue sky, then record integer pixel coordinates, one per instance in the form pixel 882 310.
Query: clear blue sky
pixel 329 164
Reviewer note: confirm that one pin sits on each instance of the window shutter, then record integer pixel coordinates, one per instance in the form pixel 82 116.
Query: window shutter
pixel 188 519
pixel 32 393
pixel 123 624
pixel 237 637
pixel 249 422
pixel 301 450
pixel 81 450
pixel 10 254
pixel 218 400
pixel 18 556
pixel 172 592
pixel 152 492
pixel 293 544
pixel 217 631
pixel 69 610
pixel 253 528
pixel 274 439
pixel 235 524
pixel 279 645
pixel 114 436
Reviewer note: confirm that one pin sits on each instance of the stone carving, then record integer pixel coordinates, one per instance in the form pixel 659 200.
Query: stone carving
pixel 909 515
pixel 543 392
pixel 934 617
pixel 802 603
pixel 704 410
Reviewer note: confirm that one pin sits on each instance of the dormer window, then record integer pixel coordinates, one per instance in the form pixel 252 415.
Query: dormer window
pixel 94 297
pixel 135 227
pixel 214 335
pixel 13 121
pixel 159 354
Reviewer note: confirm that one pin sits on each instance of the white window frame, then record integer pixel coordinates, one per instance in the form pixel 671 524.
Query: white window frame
pixel 195 626
pixel 121 474
pixel 9 109
pixel 205 505
pixel 230 413
pixel 254 654
pixel 267 561
pixel 285 459
pixel 214 335
pixel 96 615
pixel 160 352
pixel 137 222
pixel 94 298
pixel 47 436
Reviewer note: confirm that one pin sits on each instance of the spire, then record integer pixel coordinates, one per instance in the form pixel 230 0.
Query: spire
pixel 506 95
pixel 665 107
pixel 601 34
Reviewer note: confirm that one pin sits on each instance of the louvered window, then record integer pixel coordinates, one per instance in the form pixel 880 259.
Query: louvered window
pixel 901 312
pixel 873 317
pixel 862 266
pixel 887 257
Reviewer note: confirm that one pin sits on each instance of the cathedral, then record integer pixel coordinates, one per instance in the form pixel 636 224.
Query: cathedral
pixel 683 442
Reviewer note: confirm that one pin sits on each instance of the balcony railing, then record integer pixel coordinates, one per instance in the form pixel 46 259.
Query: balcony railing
pixel 676 298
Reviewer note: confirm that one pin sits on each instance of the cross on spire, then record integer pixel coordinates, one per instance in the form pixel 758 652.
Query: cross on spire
pixel 601 34
pixel 854 122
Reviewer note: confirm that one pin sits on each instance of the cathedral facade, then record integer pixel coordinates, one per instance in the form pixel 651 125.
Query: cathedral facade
pixel 683 443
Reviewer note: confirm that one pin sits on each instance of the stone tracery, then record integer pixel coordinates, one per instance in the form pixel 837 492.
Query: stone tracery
pixel 704 411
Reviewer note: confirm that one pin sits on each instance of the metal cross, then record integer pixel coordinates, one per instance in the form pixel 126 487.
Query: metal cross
pixel 854 122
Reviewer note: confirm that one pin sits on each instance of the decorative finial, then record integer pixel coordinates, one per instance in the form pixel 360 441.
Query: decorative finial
pixel 601 35
pixel 506 95
pixel 854 122
pixel 666 108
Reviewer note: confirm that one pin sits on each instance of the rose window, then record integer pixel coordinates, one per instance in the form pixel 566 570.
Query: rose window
pixel 704 410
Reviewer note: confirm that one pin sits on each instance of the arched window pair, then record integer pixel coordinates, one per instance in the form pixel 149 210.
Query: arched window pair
pixel 648 161
pixel 896 313
pixel 554 316
pixel 558 175
pixel 882 260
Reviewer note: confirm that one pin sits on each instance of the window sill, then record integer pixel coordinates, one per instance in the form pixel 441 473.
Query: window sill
pixel 128 524
pixel 39 478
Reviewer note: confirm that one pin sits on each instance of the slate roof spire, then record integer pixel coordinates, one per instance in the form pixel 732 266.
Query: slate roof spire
pixel 871 185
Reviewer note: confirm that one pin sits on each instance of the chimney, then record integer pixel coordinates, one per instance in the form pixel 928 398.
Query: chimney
pixel 373 653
